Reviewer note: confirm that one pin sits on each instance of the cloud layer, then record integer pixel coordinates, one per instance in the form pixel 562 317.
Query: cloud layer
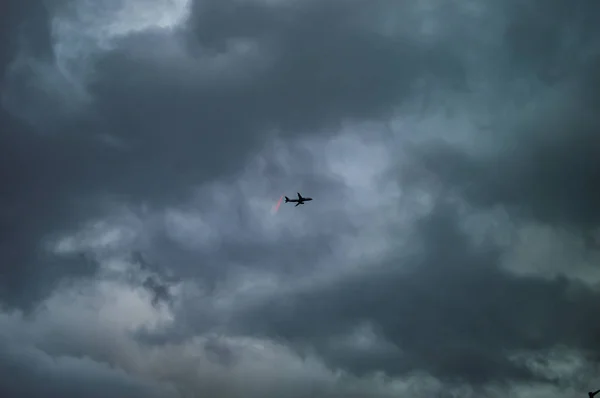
pixel 450 146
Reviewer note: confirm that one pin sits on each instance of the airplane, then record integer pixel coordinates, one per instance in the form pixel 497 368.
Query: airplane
pixel 591 394
pixel 299 201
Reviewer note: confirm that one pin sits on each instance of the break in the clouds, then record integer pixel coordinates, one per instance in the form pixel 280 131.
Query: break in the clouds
pixel 451 148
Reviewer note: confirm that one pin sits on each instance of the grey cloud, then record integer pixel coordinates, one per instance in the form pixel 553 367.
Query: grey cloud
pixel 552 178
pixel 160 291
pixel 329 61
pixel 219 351
pixel 99 357
pixel 33 373
pixel 544 164
pixel 237 231
pixel 552 46
pixel 175 135
pixel 179 120
pixel 453 312
pixel 315 79
pixel 35 203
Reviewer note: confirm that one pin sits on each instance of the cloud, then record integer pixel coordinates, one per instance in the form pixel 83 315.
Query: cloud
pixel 72 350
pixel 450 147
pixel 441 308
pixel 31 373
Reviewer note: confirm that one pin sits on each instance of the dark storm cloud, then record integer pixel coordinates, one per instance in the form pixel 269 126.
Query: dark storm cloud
pixel 160 291
pixel 34 374
pixel 35 202
pixel 324 64
pixel 161 123
pixel 35 181
pixel 554 180
pixel 176 135
pixel 550 37
pixel 237 228
pixel 547 168
pixel 13 15
pixel 450 311
pixel 321 70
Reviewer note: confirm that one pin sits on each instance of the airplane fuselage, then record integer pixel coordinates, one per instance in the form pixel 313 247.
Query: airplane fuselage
pixel 300 201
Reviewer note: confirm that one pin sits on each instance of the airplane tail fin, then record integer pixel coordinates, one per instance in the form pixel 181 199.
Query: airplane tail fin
pixel 287 199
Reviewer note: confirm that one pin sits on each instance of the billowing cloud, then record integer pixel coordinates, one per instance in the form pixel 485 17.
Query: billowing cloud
pixel 450 147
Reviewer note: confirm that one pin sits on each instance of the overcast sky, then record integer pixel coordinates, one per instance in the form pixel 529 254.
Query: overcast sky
pixel 452 149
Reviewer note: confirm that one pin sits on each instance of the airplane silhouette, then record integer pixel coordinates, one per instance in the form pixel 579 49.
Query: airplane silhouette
pixel 591 394
pixel 299 201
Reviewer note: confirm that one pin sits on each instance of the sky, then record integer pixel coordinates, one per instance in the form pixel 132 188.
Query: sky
pixel 452 248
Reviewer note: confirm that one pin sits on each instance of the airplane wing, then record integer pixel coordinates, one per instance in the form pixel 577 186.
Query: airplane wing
pixel 298 204
pixel 299 196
